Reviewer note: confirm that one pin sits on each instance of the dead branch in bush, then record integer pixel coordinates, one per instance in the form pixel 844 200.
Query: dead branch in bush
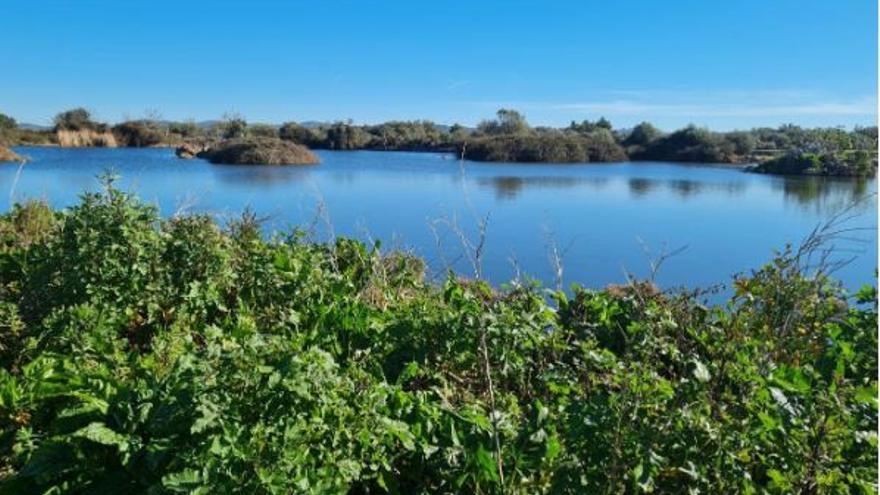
pixel 473 250
pixel 15 180
pixel 555 255
pixel 817 250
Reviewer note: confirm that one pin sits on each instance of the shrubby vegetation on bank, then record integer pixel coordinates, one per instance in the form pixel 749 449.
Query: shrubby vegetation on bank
pixel 842 164
pixel 149 355
pixel 508 137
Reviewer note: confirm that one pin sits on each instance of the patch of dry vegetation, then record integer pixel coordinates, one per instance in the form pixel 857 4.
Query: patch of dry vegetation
pixel 259 151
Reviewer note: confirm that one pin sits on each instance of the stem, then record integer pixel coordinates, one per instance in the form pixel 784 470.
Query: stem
pixel 494 416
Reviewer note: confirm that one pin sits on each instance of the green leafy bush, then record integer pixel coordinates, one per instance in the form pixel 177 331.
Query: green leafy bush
pixel 858 163
pixel 150 355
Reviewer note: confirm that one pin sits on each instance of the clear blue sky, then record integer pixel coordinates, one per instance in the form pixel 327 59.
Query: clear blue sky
pixel 733 64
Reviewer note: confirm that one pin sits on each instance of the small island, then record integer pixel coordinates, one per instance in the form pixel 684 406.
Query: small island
pixel 258 151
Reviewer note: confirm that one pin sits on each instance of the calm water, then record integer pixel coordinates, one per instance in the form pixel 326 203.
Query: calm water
pixel 602 216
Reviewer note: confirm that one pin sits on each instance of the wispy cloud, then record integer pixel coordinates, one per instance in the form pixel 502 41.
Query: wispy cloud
pixel 661 103
pixel 864 106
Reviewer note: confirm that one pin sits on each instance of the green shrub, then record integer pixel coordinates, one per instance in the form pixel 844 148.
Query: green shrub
pixel 859 163
pixel 77 119
pixel 142 355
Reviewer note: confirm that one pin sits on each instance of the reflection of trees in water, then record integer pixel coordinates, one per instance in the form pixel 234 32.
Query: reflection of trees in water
pixel 827 195
pixel 509 187
pixel 640 187
pixel 261 175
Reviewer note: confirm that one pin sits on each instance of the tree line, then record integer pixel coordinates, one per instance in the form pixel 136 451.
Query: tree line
pixel 508 137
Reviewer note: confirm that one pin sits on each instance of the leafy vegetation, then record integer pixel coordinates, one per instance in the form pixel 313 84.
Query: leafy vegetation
pixel 852 164
pixel 150 355
pixel 694 144
pixel 510 138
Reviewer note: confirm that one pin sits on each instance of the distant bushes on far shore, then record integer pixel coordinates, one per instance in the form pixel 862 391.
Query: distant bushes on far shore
pixel 551 147
pixel 508 137
pixel 855 164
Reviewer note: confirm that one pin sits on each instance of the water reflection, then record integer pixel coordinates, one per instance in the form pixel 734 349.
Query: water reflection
pixel 825 195
pixel 509 187
pixel 688 188
pixel 248 175
pixel 640 187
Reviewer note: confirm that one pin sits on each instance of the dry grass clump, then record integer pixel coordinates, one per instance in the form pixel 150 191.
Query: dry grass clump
pixel 85 138
pixel 7 155
pixel 259 151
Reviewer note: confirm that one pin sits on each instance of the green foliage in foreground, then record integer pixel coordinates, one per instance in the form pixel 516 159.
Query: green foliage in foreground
pixel 148 355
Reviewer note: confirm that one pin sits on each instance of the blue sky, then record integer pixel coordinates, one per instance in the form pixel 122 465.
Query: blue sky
pixel 734 64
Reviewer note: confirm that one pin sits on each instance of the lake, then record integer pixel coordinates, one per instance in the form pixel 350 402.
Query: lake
pixel 604 219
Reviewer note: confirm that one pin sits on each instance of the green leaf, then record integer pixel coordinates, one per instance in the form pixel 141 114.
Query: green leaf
pixel 100 433
pixel 486 463
pixel 182 481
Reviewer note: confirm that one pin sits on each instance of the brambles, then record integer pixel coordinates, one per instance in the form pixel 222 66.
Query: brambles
pixel 151 355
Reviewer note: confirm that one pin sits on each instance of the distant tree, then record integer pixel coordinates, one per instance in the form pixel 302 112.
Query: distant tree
pixel 77 119
pixel 262 130
pixel 742 143
pixel 507 122
pixel 641 135
pixel 313 138
pixel 458 132
pixel 186 129
pixel 232 125
pixel 345 136
pixel 7 123
pixel 586 126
